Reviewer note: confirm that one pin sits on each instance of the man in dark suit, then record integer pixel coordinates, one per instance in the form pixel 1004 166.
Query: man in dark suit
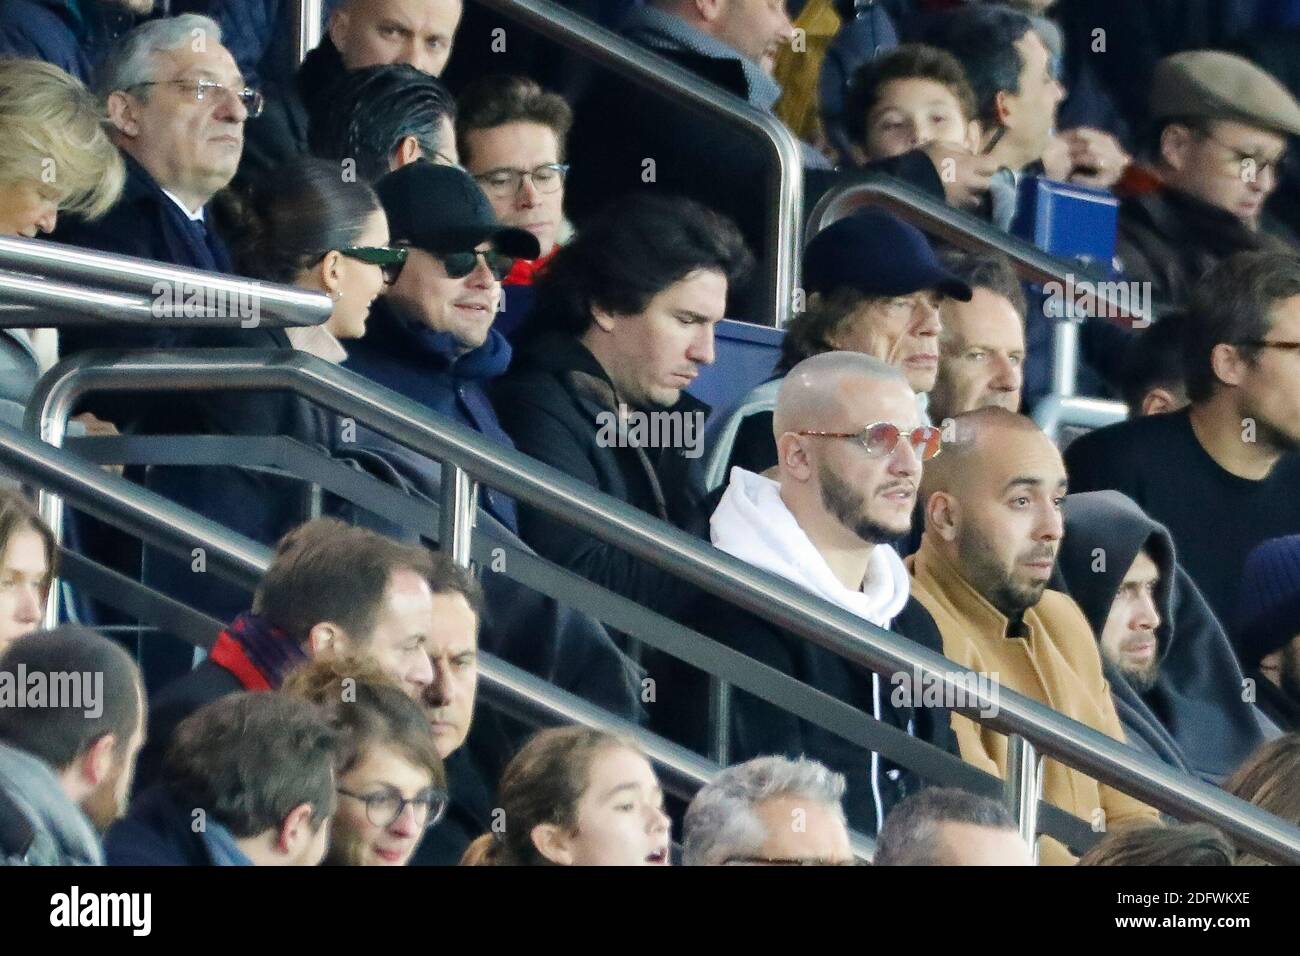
pixel 177 108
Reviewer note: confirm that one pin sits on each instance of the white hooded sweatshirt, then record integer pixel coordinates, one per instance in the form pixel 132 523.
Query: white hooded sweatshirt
pixel 753 524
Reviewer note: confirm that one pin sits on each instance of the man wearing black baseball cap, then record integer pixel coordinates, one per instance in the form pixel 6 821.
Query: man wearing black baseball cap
pixel 431 337
pixel 873 285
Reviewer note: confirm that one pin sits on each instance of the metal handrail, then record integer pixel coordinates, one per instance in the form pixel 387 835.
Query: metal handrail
pixel 955 226
pixel 1057 410
pixel 158 521
pixel 104 286
pixel 655 72
pixel 309 20
pixel 613 521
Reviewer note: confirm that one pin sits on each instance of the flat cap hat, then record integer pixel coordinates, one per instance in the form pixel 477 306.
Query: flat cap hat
pixel 1209 84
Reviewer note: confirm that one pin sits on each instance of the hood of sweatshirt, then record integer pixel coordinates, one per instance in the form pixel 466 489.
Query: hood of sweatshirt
pixel 1104 531
pixel 753 524
pixel 1198 692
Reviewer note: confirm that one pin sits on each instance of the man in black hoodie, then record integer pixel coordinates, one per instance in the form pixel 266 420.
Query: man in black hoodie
pixel 1172 673
pixel 361 33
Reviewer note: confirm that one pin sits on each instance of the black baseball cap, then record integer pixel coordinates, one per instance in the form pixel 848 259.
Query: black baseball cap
pixel 877 254
pixel 441 209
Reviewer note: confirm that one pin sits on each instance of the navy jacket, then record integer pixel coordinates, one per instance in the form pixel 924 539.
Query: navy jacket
pixel 68 34
pixel 147 224
pixel 156 831
pixel 426 367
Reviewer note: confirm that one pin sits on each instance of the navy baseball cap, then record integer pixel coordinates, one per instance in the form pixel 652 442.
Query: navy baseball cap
pixel 441 209
pixel 877 254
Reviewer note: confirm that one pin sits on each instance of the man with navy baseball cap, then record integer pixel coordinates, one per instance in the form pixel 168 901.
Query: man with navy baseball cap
pixel 876 254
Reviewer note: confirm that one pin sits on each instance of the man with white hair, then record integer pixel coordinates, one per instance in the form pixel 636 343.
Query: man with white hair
pixel 768 811
pixel 850 444
pixel 177 105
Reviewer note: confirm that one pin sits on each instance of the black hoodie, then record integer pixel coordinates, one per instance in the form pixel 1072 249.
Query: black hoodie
pixel 1196 703
pixel 280 133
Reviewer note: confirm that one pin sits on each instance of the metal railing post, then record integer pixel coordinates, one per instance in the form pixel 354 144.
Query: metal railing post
pixel 1024 784
pixel 1065 357
pixel 783 190
pixel 309 20
pixel 564 498
pixel 720 721
pixel 456 518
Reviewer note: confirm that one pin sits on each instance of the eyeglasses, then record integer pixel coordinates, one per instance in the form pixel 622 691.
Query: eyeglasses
pixel 383 807
pixel 787 861
pixel 252 100
pixel 1272 344
pixel 390 259
pixel 461 264
pixel 1238 159
pixel 504 183
pixel 882 438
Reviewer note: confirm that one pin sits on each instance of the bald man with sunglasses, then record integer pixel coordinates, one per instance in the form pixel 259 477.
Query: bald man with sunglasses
pixel 851 447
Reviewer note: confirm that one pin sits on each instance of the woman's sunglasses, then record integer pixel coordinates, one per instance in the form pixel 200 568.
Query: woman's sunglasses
pixel 390 259
pixel 461 264
pixel 882 438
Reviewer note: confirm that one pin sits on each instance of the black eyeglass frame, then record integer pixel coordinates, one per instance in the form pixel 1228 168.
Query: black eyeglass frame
pixel 437 798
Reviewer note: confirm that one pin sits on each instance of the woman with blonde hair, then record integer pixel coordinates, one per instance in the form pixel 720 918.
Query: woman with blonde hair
pixel 55 156
pixel 576 796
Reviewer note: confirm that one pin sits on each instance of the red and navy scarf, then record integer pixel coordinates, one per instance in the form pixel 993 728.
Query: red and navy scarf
pixel 259 654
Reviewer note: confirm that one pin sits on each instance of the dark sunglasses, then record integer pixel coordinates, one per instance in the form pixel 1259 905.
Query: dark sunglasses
pixel 390 259
pixel 882 438
pixel 461 264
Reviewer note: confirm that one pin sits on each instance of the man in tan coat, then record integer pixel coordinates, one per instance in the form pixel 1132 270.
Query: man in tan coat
pixel 993 526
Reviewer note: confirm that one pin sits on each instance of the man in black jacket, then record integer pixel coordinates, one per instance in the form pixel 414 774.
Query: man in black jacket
pixel 361 33
pixel 1220 132
pixel 1177 687
pixel 624 319
pixel 1221 474
pixel 177 110
pixel 850 450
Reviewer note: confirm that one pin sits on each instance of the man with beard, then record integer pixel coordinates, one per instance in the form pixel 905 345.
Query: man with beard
pixel 1172 672
pixel 67 758
pixel 850 444
pixel 1222 473
pixel 993 526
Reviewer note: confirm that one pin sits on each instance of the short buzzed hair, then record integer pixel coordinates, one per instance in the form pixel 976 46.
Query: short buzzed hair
pixel 805 387
pixel 912 834
pixel 962 450
pixel 721 823
pixel 59 734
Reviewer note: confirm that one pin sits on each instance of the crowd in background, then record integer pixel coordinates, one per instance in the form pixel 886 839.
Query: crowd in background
pixel 499 255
